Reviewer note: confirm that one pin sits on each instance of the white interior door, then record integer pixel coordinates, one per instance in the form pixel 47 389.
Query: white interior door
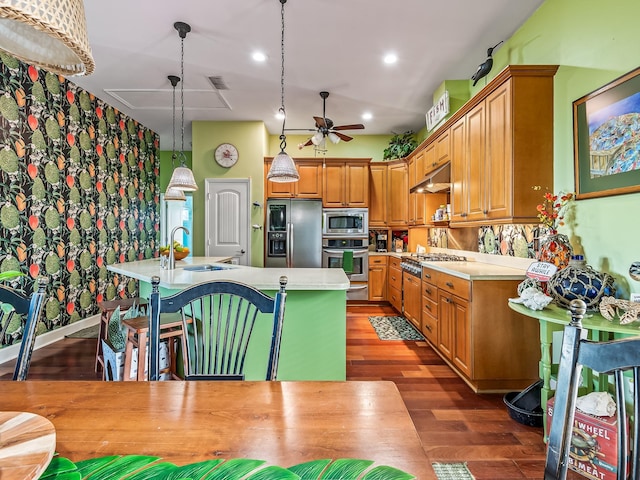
pixel 227 221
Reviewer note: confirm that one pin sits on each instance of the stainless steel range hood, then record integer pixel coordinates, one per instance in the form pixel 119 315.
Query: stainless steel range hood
pixel 437 181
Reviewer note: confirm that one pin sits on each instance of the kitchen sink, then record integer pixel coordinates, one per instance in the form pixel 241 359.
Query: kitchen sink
pixel 205 268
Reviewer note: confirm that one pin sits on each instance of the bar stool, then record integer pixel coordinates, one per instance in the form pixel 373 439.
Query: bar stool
pixel 138 337
pixel 107 307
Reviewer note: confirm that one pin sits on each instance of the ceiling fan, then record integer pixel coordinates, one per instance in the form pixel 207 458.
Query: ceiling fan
pixel 326 129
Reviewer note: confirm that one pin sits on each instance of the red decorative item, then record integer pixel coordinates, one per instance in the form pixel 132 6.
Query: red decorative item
pixel 556 249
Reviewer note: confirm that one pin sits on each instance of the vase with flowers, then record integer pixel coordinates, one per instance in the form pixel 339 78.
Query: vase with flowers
pixel 555 247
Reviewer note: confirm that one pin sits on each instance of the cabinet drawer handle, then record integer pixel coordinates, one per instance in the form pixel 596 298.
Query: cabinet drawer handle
pixel 446 300
pixel 377 261
pixel 449 284
pixel 427 327
pixel 426 275
pixel 428 307
pixel 427 291
pixel 485 212
pixel 393 278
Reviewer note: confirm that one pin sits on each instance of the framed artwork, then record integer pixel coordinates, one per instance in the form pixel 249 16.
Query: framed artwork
pixel 606 139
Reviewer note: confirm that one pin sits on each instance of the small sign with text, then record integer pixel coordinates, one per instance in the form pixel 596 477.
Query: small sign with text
pixel 541 271
pixel 439 110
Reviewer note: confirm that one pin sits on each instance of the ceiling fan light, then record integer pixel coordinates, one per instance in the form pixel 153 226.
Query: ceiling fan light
pixel 283 169
pixel 333 137
pixel 182 179
pixel 173 194
pixel 317 138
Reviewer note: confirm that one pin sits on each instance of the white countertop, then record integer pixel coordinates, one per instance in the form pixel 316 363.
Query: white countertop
pixel 479 267
pixel 262 278
pixel 477 270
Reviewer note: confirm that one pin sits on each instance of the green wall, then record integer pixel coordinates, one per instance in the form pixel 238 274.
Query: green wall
pixel 593 42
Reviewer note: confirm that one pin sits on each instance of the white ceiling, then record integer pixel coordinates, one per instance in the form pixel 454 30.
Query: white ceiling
pixel 333 45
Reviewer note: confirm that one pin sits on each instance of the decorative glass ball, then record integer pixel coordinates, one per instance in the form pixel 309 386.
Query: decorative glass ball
pixel 579 281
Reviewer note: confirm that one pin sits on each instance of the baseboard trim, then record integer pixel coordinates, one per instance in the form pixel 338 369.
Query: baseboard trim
pixel 11 352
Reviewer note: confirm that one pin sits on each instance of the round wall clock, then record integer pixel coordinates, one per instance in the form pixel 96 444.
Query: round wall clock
pixel 226 155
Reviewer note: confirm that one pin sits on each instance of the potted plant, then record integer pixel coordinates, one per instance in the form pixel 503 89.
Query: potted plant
pixel 400 145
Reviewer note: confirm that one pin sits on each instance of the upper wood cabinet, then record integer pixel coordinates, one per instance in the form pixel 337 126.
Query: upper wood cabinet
pixel 502 148
pixel 309 185
pixel 346 183
pixel 500 144
pixel 398 194
pixel 378 188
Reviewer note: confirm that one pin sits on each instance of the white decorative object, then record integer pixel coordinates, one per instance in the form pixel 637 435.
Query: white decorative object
pixel 532 298
pixel 439 110
pixel 597 403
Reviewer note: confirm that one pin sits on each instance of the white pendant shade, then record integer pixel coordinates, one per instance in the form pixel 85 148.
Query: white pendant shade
pixel 182 179
pixel 283 169
pixel 173 194
pixel 51 34
pixel 333 137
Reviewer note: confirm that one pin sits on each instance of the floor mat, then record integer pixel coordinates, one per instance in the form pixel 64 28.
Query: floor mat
pixel 452 471
pixel 395 328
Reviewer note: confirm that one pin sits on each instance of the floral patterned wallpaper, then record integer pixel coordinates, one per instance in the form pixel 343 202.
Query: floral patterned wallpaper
pixel 78 191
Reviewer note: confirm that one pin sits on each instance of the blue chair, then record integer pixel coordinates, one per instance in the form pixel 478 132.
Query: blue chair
pixel 618 358
pixel 30 307
pixel 218 320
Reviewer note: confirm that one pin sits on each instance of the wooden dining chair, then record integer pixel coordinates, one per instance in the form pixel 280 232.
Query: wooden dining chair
pixel 618 358
pixel 13 302
pixel 218 320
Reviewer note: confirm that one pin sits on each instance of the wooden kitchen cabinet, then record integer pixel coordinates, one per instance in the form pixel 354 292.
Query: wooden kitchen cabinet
pixel 377 278
pixel 429 319
pixel 458 171
pixel 378 189
pixel 412 296
pixel 346 183
pixel 501 148
pixel 398 194
pixel 470 325
pixel 454 334
pixel 309 185
pixel 394 284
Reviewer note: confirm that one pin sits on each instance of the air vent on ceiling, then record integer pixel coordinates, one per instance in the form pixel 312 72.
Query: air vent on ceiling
pixel 218 82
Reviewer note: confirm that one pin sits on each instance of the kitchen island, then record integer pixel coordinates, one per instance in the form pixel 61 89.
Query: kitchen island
pixel 314 333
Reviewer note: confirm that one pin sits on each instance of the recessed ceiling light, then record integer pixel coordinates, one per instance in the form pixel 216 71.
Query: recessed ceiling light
pixel 259 56
pixel 390 58
pixel 367 116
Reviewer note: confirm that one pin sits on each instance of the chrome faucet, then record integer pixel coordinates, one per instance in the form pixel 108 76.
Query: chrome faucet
pixel 172 257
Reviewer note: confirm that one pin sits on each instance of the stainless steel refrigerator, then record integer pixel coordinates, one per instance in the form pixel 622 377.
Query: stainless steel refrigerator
pixel 294 233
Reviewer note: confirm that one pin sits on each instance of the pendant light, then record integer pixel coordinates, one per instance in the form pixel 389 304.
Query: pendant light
pixel 282 168
pixel 182 177
pixel 51 34
pixel 171 192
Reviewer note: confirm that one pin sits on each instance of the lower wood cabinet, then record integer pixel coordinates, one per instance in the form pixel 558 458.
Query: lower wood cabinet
pixel 394 284
pixel 469 323
pixel 411 296
pixel 377 278
pixel 429 319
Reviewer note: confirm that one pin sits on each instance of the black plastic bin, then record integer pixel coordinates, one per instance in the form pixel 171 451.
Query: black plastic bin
pixel 524 407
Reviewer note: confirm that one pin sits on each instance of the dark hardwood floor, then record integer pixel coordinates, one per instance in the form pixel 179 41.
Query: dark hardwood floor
pixel 454 424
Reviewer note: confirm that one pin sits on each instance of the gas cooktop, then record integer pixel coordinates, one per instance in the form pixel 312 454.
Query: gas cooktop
pixel 412 263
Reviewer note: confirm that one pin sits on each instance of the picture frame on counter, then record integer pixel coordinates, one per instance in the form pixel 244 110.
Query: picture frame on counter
pixel 606 136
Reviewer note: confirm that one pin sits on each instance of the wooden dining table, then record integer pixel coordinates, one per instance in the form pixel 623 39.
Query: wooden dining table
pixel 283 423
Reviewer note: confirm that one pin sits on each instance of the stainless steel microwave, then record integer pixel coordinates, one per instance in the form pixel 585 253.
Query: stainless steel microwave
pixel 345 222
